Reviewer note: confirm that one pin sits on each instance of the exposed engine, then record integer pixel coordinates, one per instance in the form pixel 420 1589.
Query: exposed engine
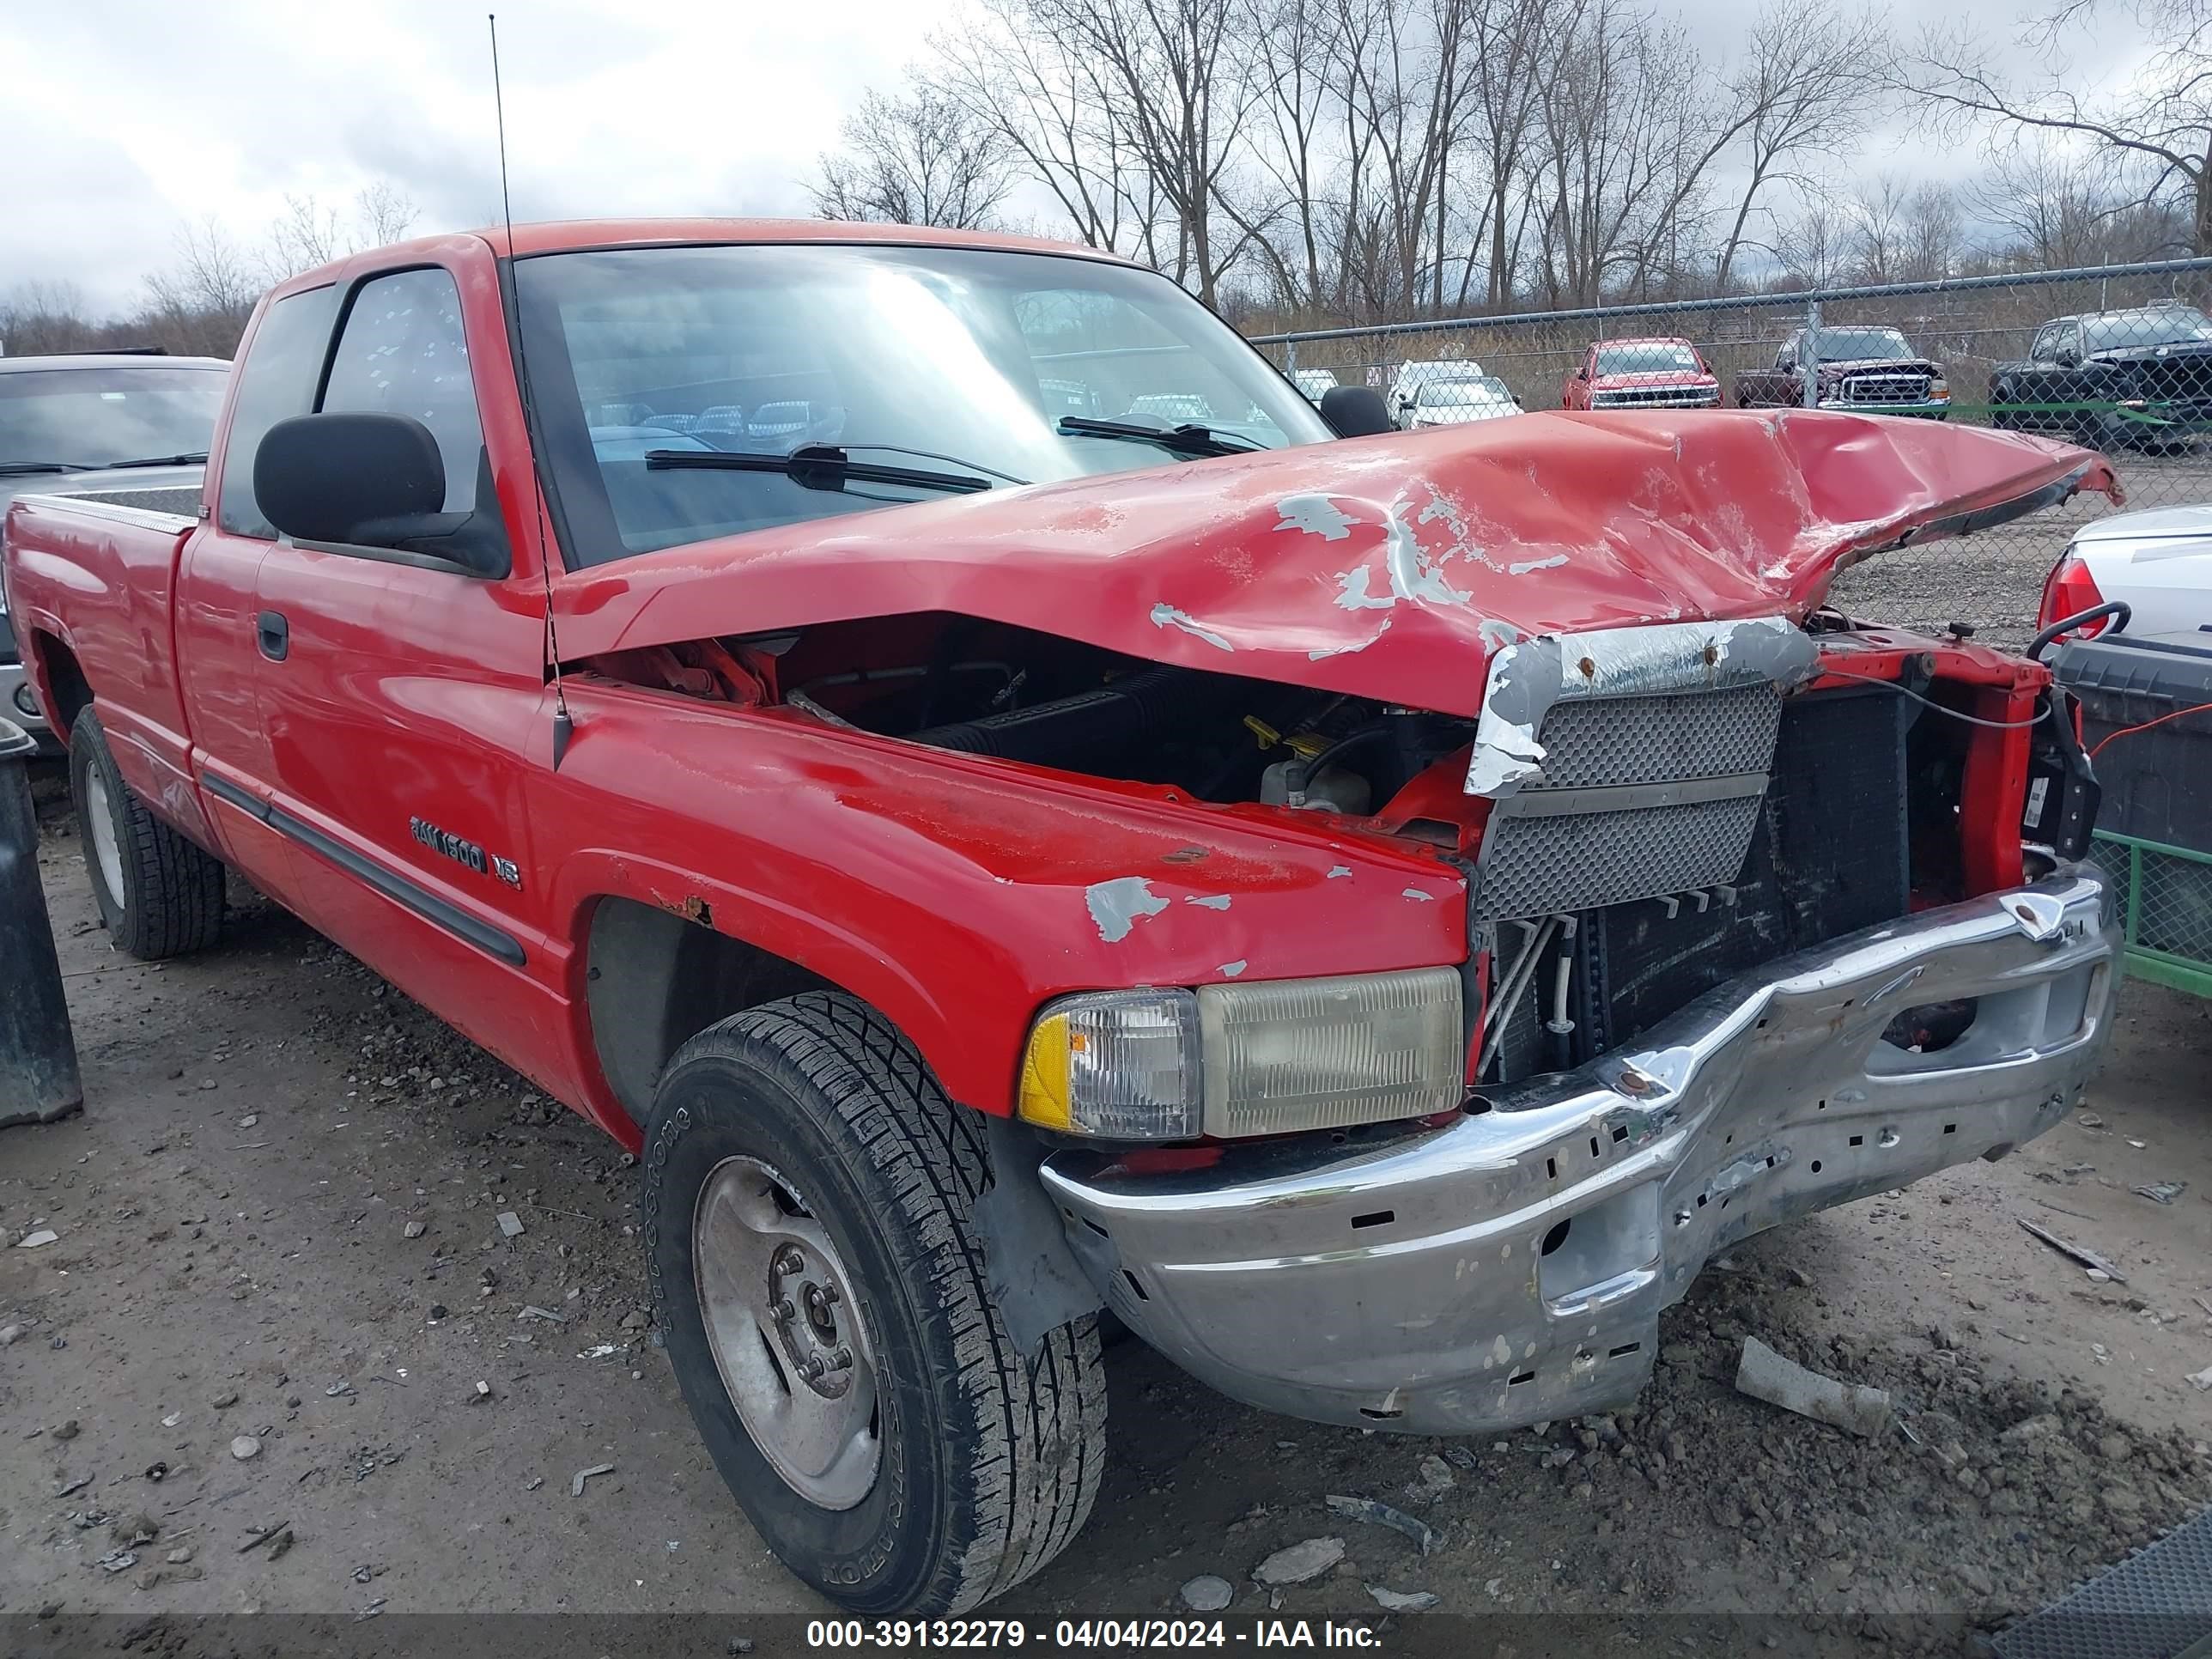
pixel 985 690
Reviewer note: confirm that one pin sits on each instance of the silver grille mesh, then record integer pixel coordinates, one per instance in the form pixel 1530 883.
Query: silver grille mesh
pixel 1536 866
pixel 1699 734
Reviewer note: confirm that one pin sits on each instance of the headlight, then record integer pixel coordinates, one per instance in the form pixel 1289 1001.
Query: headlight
pixel 1939 390
pixel 1246 1059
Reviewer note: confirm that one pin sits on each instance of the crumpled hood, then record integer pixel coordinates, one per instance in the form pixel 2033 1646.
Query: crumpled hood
pixel 1388 567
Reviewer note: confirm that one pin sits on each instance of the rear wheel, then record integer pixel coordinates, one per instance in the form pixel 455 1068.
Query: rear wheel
pixel 808 1190
pixel 158 893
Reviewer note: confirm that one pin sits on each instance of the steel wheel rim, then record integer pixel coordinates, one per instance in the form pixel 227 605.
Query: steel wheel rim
pixel 785 1332
pixel 106 848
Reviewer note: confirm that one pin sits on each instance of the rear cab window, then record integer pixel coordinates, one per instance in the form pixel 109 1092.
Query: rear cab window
pixel 275 382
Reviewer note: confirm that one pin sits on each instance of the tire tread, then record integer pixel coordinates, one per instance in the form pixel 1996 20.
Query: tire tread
pixel 173 903
pixel 1037 1460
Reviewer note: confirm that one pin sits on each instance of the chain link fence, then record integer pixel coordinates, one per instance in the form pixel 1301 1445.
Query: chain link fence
pixel 2116 358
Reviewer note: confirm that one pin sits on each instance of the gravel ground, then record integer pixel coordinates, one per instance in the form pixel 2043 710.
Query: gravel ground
pixel 278 1236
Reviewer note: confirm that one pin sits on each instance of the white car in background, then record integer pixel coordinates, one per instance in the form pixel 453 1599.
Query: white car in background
pixel 1314 383
pixel 1453 399
pixel 1412 375
pixel 2159 560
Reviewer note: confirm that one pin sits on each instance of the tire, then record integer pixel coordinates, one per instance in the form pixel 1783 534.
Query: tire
pixel 813 1117
pixel 159 893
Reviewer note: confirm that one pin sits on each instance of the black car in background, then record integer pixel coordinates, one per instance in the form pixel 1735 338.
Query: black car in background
pixel 2140 378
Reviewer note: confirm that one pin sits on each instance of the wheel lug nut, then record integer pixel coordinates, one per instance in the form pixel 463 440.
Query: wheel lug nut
pixel 829 1295
pixel 815 1368
pixel 789 1259
pixel 842 1360
pixel 784 1311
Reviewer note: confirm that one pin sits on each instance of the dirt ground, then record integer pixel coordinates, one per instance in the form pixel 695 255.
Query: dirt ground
pixel 277 1235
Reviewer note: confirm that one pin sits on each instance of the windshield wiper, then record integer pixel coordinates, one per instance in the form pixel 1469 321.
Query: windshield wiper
pixel 186 459
pixel 812 466
pixel 1188 438
pixel 10 468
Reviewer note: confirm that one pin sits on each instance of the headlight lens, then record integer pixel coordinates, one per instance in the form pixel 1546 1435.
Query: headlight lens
pixel 1939 390
pixel 1248 1060
pixel 1120 1064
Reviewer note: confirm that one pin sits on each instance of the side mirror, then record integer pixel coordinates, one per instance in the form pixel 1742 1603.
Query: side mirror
pixel 1356 411
pixel 372 480
pixel 1582 374
pixel 2069 358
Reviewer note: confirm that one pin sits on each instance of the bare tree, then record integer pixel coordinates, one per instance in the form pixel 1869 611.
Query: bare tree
pixel 47 316
pixel 1041 95
pixel 1161 68
pixel 384 213
pixel 311 232
pixel 1813 247
pixel 2153 137
pixel 1288 45
pixel 201 302
pixel 923 157
pixel 1801 90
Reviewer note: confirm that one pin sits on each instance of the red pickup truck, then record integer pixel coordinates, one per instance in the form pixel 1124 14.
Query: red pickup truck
pixel 1376 914
pixel 1657 373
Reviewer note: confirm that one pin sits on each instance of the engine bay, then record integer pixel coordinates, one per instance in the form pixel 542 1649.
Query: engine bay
pixel 987 689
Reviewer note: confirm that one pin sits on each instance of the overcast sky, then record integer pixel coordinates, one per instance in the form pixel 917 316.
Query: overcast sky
pixel 123 118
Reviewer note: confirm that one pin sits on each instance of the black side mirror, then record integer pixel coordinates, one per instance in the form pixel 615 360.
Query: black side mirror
pixel 377 481
pixel 2069 358
pixel 1356 411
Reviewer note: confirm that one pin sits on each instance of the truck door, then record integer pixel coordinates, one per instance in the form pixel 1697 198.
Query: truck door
pixel 407 698
pixel 219 642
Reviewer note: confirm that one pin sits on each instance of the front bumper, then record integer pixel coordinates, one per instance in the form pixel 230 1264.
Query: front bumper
pixel 1511 1267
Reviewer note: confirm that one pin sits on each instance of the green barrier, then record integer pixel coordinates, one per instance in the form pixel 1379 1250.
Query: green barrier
pixel 2166 906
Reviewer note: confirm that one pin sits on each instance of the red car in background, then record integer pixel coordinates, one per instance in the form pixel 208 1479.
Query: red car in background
pixel 1653 374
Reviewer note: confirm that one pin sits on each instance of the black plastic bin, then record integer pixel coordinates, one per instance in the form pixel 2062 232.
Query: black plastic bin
pixel 38 1078
pixel 2154 825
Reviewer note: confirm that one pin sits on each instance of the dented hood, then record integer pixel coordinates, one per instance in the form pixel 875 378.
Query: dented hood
pixel 1388 567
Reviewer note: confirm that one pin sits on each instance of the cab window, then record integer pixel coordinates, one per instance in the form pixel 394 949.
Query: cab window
pixel 403 351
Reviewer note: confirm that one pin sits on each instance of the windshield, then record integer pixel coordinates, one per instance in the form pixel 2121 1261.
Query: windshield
pixel 1647 357
pixel 1855 345
pixel 98 416
pixel 969 355
pixel 2158 325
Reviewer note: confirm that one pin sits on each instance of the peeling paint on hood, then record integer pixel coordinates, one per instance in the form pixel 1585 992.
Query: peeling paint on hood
pixel 1391 566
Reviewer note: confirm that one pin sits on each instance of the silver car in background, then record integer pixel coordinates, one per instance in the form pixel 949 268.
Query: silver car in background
pixel 97 423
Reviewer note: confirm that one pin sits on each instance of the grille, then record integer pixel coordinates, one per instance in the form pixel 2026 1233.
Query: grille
pixel 1534 866
pixel 1885 389
pixel 1701 735
pixel 1658 397
pixel 1827 856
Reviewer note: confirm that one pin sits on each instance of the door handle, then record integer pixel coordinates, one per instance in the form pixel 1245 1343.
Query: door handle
pixel 275 635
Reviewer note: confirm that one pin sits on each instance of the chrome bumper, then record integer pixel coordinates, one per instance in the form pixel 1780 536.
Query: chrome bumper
pixel 1511 1267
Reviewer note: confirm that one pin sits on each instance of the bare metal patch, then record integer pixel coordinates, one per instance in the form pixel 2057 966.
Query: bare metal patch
pixel 1166 615
pixel 1118 905
pixel 1316 515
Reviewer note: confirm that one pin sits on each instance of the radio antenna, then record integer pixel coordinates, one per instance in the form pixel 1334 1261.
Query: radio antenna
pixel 563 726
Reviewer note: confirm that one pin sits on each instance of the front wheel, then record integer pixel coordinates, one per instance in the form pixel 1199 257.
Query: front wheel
pixel 807 1196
